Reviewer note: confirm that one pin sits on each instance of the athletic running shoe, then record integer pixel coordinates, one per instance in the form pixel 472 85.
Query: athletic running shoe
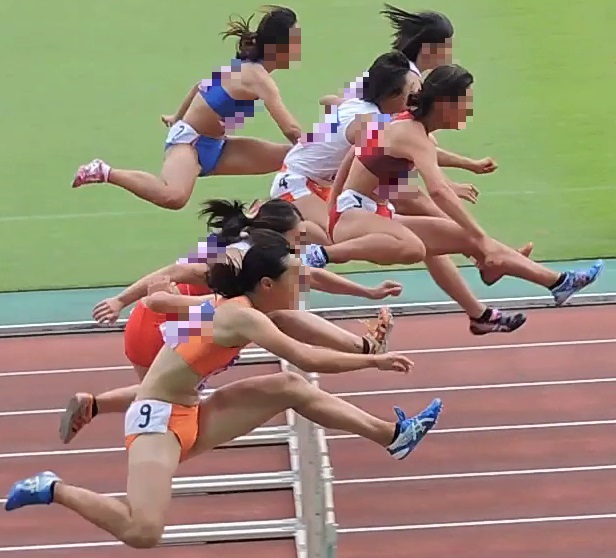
pixel 32 491
pixel 499 322
pixel 313 255
pixel 411 431
pixel 95 172
pixel 575 281
pixel 378 334
pixel 78 413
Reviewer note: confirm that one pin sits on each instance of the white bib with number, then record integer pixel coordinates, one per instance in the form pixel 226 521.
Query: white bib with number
pixel 147 416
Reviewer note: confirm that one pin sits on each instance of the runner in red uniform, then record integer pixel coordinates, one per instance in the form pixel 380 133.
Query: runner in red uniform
pixel 363 222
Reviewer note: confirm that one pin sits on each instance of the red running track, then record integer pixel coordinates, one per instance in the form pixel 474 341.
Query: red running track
pixel 522 462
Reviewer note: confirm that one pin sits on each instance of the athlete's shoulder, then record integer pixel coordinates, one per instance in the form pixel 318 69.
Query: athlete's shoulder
pixel 358 106
pixel 233 303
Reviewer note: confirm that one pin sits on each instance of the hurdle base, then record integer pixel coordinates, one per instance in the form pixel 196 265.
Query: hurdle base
pixel 229 532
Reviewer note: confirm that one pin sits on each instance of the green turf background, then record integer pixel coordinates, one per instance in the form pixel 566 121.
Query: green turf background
pixel 90 78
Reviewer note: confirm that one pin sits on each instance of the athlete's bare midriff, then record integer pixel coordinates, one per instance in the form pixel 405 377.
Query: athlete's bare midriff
pixel 170 379
pixel 203 119
pixel 361 180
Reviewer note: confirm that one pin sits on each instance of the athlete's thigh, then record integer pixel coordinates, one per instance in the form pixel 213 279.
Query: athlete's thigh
pixel 355 223
pixel 242 156
pixel 440 236
pixel 313 209
pixel 152 461
pixel 418 204
pixel 181 167
pixel 238 408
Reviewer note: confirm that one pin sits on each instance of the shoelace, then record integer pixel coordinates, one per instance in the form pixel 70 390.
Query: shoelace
pixel 419 426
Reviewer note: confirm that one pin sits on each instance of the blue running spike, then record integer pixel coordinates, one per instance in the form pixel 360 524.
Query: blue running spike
pixel 32 491
pixel 413 430
pixel 575 281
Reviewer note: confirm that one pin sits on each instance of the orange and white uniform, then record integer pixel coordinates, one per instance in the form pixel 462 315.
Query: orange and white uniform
pixel 142 335
pixel 204 357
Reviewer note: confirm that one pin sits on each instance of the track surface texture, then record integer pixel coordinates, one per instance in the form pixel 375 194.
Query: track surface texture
pixel 521 463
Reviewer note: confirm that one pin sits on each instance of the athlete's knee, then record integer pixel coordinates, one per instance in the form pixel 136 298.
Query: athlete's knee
pixel 145 533
pixel 411 251
pixel 174 198
pixel 292 381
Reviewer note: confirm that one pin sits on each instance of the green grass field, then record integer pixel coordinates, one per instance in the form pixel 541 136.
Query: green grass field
pixel 88 79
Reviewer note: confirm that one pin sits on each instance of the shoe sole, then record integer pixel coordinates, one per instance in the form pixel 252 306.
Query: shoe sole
pixel 519 324
pixel 73 409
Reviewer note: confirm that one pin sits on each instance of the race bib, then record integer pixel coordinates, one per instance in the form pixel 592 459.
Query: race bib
pixel 147 416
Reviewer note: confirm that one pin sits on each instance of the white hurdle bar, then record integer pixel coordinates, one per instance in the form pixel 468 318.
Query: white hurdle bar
pixel 316 535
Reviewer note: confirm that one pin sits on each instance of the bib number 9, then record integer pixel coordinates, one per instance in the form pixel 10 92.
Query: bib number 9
pixel 146 415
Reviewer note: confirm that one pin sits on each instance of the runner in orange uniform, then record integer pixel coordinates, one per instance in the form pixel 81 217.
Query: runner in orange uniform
pixel 143 338
pixel 168 423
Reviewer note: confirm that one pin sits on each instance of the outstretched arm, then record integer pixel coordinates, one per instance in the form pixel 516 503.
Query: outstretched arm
pixel 255 327
pixel 267 90
pixel 193 274
pixel 168 303
pixel 328 282
pixel 453 160
pixel 172 119
pixel 419 149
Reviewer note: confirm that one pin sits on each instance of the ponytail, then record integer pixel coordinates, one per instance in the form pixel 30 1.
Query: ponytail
pixel 267 257
pixel 226 216
pixel 247 39
pixel 273 29
pixel 231 219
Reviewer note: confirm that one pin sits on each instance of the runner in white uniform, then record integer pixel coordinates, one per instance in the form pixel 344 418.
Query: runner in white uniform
pixel 310 167
pixel 425 38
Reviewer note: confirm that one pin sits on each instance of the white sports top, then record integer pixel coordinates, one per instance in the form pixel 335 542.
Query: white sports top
pixel 320 157
pixel 355 89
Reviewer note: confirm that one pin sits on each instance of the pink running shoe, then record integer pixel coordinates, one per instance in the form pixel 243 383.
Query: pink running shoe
pixel 95 172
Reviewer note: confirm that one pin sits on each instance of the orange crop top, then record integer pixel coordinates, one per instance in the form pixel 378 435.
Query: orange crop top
pixel 200 352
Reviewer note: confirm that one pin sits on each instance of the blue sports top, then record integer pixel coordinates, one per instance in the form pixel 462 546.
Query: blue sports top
pixel 215 95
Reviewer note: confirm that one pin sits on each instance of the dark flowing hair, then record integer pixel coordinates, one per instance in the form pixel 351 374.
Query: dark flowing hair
pixel 268 256
pixel 273 29
pixel 445 82
pixel 230 218
pixel 413 30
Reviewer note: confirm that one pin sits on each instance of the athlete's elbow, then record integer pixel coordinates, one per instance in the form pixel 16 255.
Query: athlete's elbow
pixel 438 191
pixel 157 302
pixel 293 133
